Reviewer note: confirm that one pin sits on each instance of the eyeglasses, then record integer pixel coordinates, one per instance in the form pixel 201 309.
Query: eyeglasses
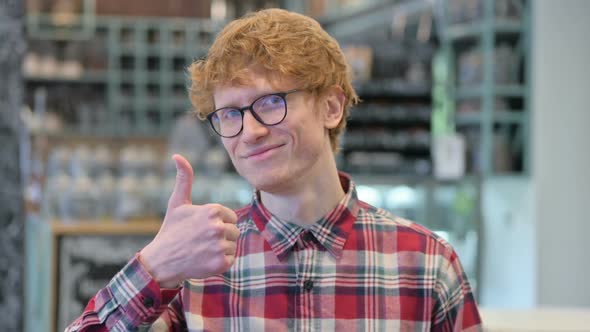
pixel 269 110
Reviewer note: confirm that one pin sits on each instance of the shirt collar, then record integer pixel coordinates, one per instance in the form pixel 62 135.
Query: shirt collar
pixel 331 231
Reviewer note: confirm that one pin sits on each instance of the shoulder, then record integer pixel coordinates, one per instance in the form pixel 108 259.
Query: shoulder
pixel 407 234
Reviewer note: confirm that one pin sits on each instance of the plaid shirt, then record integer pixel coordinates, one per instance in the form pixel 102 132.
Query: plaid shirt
pixel 357 269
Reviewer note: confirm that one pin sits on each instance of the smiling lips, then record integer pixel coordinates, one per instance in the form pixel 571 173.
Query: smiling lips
pixel 261 151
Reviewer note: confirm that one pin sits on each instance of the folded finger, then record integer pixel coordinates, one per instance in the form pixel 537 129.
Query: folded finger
pixel 230 249
pixel 231 232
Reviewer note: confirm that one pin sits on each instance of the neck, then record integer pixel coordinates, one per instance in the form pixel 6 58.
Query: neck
pixel 308 201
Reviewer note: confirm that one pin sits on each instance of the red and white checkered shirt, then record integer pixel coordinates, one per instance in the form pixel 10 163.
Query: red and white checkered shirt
pixel 357 269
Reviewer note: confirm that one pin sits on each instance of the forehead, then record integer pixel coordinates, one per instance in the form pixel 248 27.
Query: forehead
pixel 253 83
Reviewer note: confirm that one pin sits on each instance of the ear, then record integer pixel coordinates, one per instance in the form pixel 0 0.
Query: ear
pixel 334 103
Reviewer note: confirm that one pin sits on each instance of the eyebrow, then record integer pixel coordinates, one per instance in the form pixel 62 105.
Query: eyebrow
pixel 231 105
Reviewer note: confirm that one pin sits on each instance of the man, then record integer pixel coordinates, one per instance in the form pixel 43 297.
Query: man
pixel 306 254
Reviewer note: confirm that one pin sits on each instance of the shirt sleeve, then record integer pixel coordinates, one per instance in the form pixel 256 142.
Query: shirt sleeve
pixel 131 301
pixel 455 306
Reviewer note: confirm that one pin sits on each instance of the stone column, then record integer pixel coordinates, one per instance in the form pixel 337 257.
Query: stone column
pixel 12 50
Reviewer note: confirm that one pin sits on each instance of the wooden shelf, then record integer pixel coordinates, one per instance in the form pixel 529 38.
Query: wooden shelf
pixel 102 227
pixel 87 77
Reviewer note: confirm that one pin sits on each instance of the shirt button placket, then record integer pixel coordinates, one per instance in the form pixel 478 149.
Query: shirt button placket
pixel 148 302
pixel 307 237
pixel 308 285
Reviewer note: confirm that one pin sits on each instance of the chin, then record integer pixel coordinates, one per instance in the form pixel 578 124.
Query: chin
pixel 265 181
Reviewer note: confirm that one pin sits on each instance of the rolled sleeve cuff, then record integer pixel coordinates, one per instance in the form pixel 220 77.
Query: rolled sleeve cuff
pixel 132 298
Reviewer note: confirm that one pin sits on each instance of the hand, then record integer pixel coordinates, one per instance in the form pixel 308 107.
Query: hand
pixel 195 241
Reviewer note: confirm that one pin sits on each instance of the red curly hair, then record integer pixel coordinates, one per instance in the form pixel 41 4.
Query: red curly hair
pixel 283 44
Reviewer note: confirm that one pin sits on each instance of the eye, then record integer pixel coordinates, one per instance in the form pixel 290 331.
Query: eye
pixel 229 114
pixel 269 103
pixel 273 99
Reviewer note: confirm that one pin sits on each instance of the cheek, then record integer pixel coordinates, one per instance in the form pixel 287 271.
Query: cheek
pixel 312 128
pixel 229 145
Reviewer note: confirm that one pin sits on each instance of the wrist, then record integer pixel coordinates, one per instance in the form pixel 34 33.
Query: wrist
pixel 147 262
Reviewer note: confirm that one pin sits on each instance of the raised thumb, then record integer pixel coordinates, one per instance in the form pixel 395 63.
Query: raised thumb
pixel 184 183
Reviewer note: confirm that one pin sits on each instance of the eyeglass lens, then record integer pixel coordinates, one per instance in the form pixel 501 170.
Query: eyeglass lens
pixel 269 110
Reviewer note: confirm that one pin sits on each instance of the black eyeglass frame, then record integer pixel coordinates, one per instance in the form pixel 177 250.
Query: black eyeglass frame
pixel 283 95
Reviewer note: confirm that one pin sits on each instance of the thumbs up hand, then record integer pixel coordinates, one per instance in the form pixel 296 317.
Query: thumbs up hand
pixel 195 241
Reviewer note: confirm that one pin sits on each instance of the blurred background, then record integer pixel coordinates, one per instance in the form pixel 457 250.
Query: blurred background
pixel 472 124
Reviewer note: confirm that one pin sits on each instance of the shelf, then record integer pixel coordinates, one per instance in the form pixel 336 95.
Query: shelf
pixel 474 118
pixel 409 151
pixel 468 119
pixel 475 30
pixel 428 181
pixel 392 88
pixel 181 78
pixel 161 51
pixel 178 102
pixel 515 117
pixel 391 122
pixel 144 76
pixel 464 30
pixel 77 134
pixel 102 227
pixel 150 102
pixel 478 91
pixel 43 26
pixel 89 77
pixel 127 50
pixel 378 114
pixel 512 90
pixel 345 22
pixel 508 26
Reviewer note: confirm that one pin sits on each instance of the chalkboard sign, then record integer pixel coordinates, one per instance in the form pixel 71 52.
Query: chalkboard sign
pixel 86 264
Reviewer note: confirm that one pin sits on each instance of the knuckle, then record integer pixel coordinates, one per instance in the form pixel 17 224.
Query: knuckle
pixel 217 205
pixel 214 210
pixel 223 247
pixel 234 216
pixel 217 229
pixel 231 248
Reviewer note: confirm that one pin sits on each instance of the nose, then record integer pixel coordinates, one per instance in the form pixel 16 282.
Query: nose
pixel 252 129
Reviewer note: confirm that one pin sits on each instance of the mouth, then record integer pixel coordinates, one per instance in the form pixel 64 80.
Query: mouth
pixel 262 151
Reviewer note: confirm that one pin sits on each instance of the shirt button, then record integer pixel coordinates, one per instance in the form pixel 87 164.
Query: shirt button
pixel 308 285
pixel 307 237
pixel 148 302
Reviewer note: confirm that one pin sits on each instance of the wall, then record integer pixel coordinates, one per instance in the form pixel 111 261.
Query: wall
pixel 561 150
pixel 509 255
pixel 12 48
